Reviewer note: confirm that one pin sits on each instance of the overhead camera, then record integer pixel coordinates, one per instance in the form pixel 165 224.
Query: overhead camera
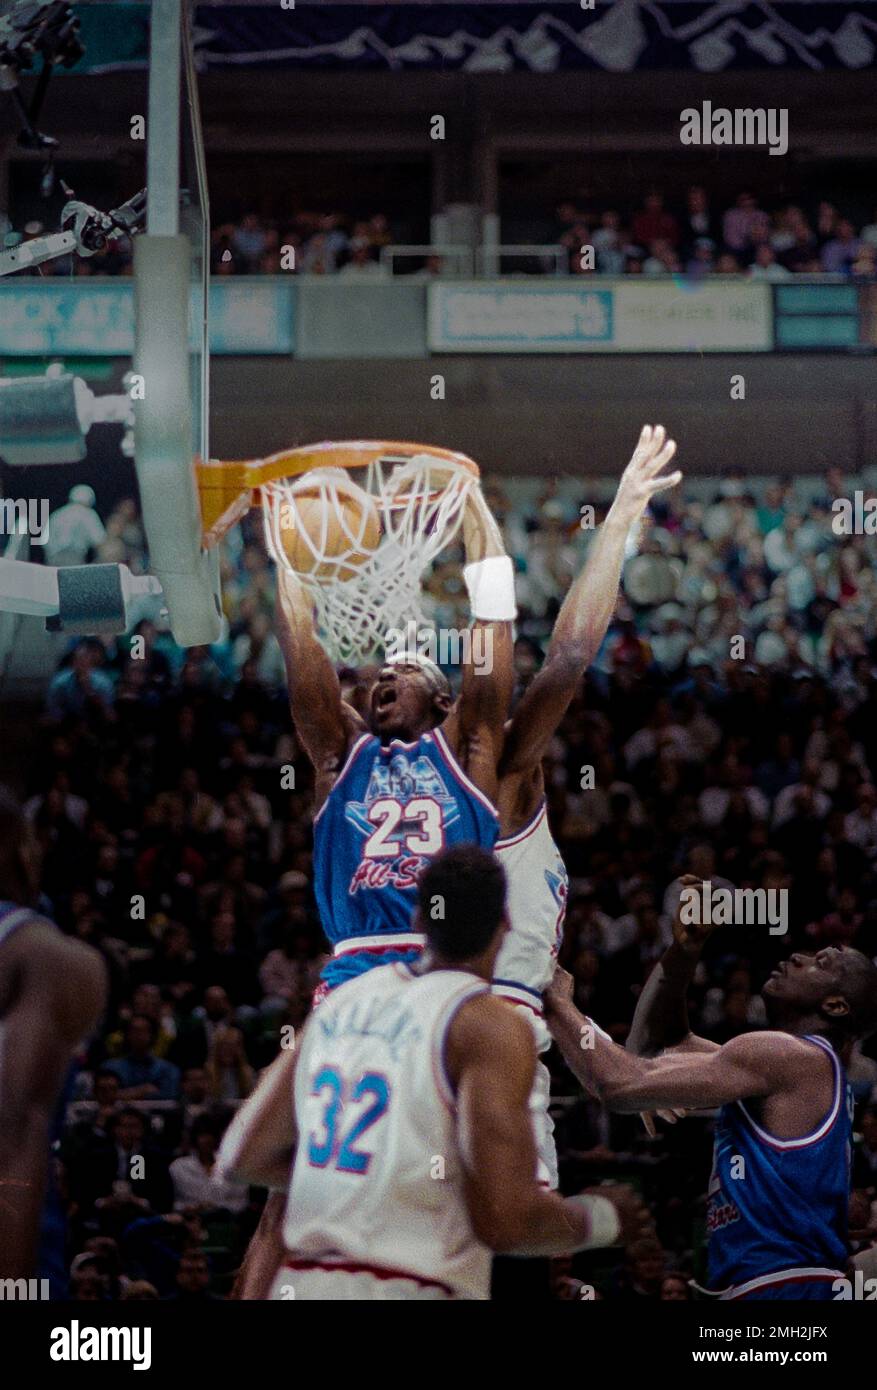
pixel 30 29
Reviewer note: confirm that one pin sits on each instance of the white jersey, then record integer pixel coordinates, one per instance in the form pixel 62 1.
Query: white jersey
pixel 377 1184
pixel 537 893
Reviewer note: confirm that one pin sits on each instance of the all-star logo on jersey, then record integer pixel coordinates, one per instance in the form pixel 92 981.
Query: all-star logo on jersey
pixel 404 816
pixel 558 884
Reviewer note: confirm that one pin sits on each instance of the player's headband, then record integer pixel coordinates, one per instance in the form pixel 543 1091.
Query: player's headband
pixel 437 678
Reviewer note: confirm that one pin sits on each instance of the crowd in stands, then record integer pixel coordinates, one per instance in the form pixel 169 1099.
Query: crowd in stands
pixel 178 845
pixel 706 236
pixel 701 237
pixel 310 243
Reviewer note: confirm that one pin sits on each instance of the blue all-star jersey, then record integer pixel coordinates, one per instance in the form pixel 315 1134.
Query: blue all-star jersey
pixel 777 1208
pixel 392 808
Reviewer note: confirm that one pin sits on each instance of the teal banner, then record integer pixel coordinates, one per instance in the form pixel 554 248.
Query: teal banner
pixel 39 318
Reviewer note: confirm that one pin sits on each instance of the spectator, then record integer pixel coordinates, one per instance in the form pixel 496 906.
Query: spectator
pixel 196 1182
pixel 869 232
pixel 193 1279
pixel 841 251
pixel 83 686
pixel 742 223
pixel 361 263
pixel 702 260
pixel 654 223
pixel 142 1075
pixel 698 221
pixel 608 243
pixel 229 1074
pixel 249 241
pixel 75 530
pixel 766 266
pixel 123 1171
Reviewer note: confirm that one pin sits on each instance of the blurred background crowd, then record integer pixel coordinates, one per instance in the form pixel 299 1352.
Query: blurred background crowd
pixel 174 806
pixel 699 234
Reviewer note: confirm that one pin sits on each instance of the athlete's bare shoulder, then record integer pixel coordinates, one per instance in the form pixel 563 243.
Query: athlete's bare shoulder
pixel 42 968
pixel 784 1058
pixel 488 1031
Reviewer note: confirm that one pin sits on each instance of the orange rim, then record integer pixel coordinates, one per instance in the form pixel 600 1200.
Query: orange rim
pixel 229 488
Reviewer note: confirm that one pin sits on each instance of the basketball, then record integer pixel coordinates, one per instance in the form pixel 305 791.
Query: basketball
pixel 329 527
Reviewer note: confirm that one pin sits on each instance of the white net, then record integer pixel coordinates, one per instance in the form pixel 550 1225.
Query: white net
pixel 363 539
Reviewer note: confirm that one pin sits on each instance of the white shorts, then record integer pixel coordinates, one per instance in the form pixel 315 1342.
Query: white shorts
pixel 360 1286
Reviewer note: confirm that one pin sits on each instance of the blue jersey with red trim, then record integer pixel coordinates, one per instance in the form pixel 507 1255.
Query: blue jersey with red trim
pixel 779 1206
pixel 391 809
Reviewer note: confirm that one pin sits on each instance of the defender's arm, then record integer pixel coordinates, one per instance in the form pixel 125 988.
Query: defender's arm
pixel 660 1022
pixel 588 606
pixel 259 1143
pixel 755 1064
pixel 475 726
pixel 491 1059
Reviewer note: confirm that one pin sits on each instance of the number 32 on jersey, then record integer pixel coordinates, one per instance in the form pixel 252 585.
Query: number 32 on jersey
pixel 361 1104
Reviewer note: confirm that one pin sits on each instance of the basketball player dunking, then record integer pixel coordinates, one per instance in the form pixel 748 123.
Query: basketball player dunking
pixel 537 877
pixel 406 1108
pixel 536 873
pixel 422 775
pixel 779 1190
pixel 52 993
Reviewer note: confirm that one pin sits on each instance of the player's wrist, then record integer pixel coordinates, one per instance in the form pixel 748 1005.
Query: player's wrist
pixel 600 1218
pixel 622 515
pixel 490 584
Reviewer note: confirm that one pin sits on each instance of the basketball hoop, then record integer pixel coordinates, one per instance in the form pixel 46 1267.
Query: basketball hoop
pixel 371 582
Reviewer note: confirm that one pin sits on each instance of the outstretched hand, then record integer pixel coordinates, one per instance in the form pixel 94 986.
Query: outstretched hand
pixel 643 476
pixel 690 937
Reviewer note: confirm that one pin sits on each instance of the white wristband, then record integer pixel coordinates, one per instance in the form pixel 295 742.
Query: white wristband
pixel 491 586
pixel 605 1226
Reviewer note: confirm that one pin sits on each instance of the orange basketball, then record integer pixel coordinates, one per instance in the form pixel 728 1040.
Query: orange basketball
pixel 329 527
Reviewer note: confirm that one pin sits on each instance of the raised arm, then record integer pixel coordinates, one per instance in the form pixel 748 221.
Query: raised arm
pixel 755 1064
pixel 661 1019
pixel 323 721
pixel 475 726
pixel 588 606
pixel 491 1058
